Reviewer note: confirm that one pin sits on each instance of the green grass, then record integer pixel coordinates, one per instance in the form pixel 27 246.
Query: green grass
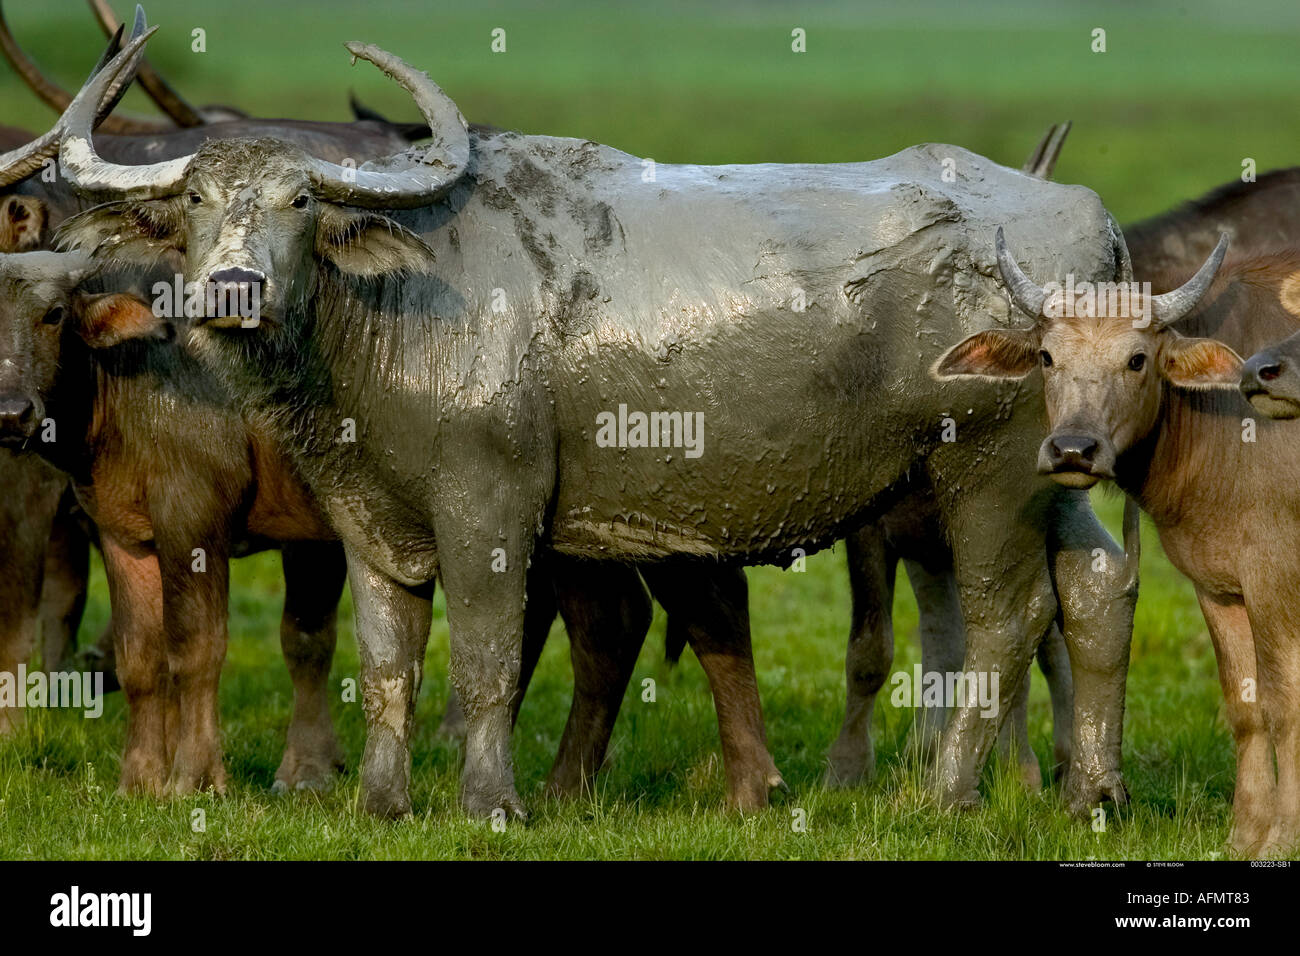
pixel 1185 92
pixel 661 796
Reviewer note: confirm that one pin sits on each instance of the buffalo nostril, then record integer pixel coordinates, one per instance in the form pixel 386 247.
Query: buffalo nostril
pixel 1074 449
pixel 1268 373
pixel 16 412
pixel 236 276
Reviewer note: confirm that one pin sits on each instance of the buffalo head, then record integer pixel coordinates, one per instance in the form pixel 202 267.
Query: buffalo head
pixel 261 216
pixel 1270 379
pixel 41 306
pixel 1105 356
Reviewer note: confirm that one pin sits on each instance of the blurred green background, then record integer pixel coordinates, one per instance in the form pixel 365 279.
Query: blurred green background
pixel 1184 92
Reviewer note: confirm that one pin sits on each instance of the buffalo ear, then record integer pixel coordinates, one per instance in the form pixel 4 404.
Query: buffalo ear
pixel 109 318
pixel 369 245
pixel 132 232
pixel 992 354
pixel 1199 363
pixel 22 223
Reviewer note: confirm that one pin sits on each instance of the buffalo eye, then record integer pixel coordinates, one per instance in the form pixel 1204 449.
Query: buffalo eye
pixel 299 201
pixel 54 316
pixel 195 198
pixel 1137 362
pixel 1046 358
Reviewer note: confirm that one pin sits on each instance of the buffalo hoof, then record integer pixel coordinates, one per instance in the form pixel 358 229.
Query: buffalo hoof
pixel 1030 776
pixel 1082 794
pixel 186 781
pixel 1249 838
pixel 1280 843
pixel 318 780
pixel 386 805
pixel 851 765
pixel 753 791
pixel 959 798
pixel 309 768
pixel 493 808
pixel 566 783
pixel 142 778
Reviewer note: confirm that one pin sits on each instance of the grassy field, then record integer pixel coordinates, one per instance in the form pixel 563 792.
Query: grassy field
pixel 1183 94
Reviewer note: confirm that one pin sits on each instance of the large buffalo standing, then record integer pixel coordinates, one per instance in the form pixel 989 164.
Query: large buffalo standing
pixel 481 340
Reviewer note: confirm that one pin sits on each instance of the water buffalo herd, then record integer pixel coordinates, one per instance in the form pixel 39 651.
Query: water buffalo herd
pixel 559 379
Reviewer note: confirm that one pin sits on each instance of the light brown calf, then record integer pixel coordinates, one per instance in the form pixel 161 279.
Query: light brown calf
pixel 1156 410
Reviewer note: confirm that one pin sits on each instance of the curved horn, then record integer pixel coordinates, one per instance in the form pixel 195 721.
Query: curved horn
pixel 1125 263
pixel 53 95
pixel 18 164
pixel 159 90
pixel 1025 293
pixel 1172 306
pixel 82 167
pixel 408 179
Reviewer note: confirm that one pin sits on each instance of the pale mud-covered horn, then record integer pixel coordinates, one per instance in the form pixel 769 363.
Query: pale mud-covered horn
pixel 53 95
pixel 83 168
pixel 1132 542
pixel 159 90
pixel 17 165
pixel 1172 306
pixel 1025 293
pixel 1042 161
pixel 416 177
pixel 1125 263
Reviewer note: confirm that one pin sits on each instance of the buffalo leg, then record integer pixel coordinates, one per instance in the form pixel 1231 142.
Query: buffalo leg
pixel 872 567
pixel 606 613
pixel 195 604
pixel 1273 613
pixel 1054 662
pixel 27 510
pixel 1097 600
pixel 314 573
pixel 713 605
pixel 1007 602
pixel 135 589
pixel 392 622
pixel 486 611
pixel 1013 740
pixel 943 640
pixel 63 597
pixel 539 615
pixel 1234 647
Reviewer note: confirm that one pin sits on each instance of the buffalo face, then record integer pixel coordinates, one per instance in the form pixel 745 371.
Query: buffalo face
pixel 252 219
pixel 1104 364
pixel 249 231
pixel 40 307
pixel 1270 380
